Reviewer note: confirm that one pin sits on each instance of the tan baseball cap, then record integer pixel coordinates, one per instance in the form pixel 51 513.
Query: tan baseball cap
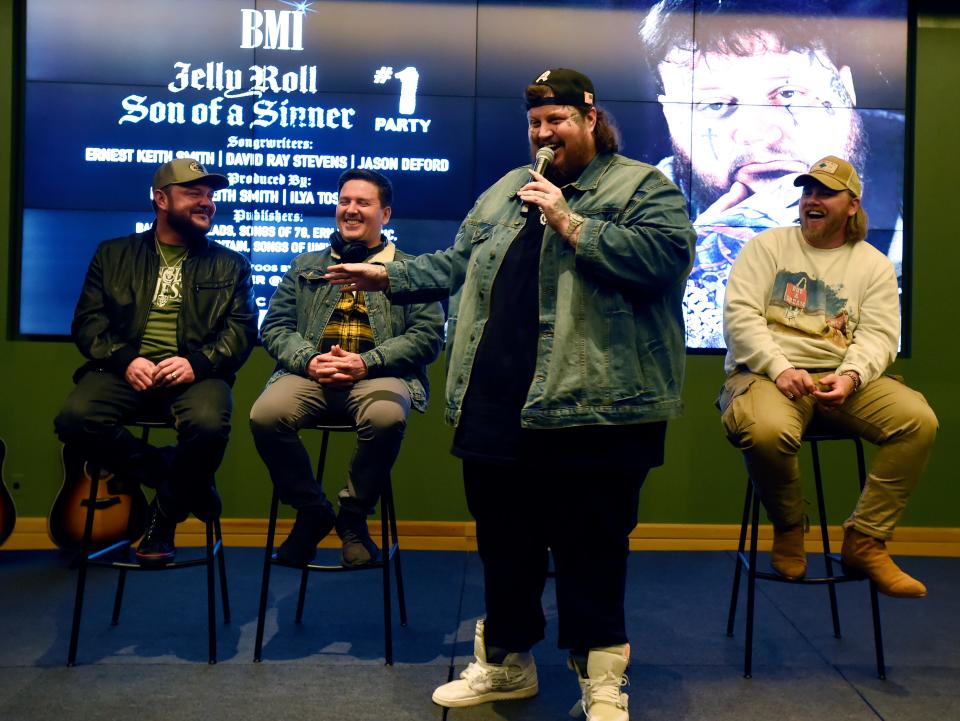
pixel 186 170
pixel 836 173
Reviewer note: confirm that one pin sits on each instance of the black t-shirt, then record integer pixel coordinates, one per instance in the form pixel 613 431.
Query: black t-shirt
pixel 506 358
pixel 503 369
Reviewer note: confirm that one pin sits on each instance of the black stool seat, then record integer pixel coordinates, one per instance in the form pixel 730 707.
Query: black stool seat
pixel 389 552
pixel 107 558
pixel 748 559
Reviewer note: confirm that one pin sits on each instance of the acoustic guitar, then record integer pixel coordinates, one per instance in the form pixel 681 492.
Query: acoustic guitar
pixel 8 513
pixel 121 507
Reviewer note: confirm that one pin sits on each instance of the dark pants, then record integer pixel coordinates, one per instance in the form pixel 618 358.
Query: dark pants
pixel 522 511
pixel 93 415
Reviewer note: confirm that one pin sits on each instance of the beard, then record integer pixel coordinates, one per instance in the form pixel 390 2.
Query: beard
pixel 575 161
pixel 703 191
pixel 182 223
pixel 833 224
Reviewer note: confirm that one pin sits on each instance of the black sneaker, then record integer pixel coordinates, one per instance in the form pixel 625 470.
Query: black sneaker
pixel 156 548
pixel 311 526
pixel 358 548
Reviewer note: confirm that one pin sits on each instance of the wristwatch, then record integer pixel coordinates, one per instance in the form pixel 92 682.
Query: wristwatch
pixel 575 221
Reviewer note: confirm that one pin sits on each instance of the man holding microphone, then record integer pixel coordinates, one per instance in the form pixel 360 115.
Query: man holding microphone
pixel 566 361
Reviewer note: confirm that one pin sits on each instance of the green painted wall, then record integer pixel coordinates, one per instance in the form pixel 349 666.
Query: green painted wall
pixel 702 481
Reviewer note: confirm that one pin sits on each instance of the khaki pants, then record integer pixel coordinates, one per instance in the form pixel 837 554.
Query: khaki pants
pixel 379 408
pixel 768 427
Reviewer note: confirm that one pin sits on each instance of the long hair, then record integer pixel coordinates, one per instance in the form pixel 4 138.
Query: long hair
pixel 857 225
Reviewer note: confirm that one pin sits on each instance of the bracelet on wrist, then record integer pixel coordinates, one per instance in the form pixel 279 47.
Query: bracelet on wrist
pixel 575 221
pixel 855 377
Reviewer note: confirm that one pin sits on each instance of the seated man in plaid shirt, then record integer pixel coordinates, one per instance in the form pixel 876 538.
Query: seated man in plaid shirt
pixel 342 357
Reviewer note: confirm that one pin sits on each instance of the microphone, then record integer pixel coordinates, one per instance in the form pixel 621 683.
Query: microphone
pixel 543 159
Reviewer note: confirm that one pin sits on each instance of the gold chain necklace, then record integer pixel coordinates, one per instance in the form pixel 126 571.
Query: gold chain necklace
pixel 169 275
pixel 163 258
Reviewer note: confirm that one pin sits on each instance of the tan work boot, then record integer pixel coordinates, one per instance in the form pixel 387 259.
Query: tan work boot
pixel 867 555
pixel 787 555
pixel 601 699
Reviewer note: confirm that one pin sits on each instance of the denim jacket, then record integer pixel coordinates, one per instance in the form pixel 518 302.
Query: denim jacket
pixel 407 338
pixel 611 343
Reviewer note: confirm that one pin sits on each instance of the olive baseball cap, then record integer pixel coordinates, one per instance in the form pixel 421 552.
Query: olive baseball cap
pixel 569 88
pixel 836 173
pixel 184 171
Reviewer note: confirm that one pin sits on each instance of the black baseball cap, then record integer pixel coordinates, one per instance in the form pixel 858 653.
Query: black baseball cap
pixel 569 88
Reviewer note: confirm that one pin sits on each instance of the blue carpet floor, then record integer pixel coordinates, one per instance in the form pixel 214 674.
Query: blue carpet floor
pixel 153 665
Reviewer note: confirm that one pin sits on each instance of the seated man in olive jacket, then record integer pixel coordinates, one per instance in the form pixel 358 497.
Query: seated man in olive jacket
pixel 165 319
pixel 347 357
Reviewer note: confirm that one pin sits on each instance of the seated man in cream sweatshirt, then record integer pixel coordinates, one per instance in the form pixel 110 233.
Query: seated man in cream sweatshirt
pixel 811 322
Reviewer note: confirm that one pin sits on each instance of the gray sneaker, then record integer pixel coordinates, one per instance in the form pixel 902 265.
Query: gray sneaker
pixel 480 682
pixel 358 548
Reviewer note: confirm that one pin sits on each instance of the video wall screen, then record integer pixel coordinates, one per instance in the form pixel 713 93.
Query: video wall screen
pixel 731 99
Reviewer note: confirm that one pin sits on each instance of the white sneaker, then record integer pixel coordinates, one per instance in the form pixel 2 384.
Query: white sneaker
pixel 481 682
pixel 601 699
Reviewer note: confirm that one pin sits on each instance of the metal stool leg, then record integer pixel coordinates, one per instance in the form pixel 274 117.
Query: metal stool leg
pixel 82 570
pixel 877 631
pixel 825 538
pixel 118 598
pixel 387 605
pixel 301 596
pixel 122 574
pixel 214 547
pixel 874 598
pixel 211 596
pixel 265 582
pixel 831 579
pixel 321 465
pixel 735 593
pixel 389 541
pixel 751 586
pixel 395 548
pixel 222 563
